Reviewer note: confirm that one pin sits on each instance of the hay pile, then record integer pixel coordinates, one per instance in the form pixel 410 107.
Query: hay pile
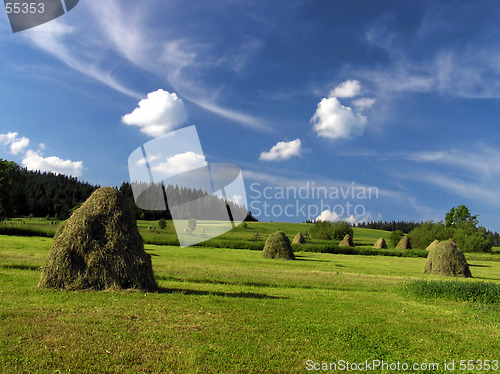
pixel 404 243
pixel 99 247
pixel 299 239
pixel 447 259
pixel 278 246
pixel 432 245
pixel 380 244
pixel 346 242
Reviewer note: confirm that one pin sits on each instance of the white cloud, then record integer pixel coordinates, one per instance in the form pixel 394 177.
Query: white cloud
pixel 180 163
pixel 346 89
pixel 236 199
pixel 158 114
pixel 327 215
pixel 35 161
pixel 282 151
pixel 16 144
pixel 334 121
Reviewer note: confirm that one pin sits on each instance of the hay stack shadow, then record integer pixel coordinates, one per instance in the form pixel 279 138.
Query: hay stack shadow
pixel 99 247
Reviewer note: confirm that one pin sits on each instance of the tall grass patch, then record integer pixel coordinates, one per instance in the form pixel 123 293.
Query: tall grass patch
pixel 480 292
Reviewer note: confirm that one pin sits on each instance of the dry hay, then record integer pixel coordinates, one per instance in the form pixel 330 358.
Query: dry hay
pixel 380 244
pixel 447 259
pixel 278 246
pixel 432 245
pixel 99 247
pixel 299 239
pixel 346 242
pixel 404 243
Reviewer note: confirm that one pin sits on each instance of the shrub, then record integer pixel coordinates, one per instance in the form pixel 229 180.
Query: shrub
pixel 341 229
pixel 396 236
pixel 162 223
pixel 322 230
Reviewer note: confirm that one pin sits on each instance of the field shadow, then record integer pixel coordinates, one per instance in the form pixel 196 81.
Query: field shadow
pixel 299 258
pixel 246 295
pixel 480 266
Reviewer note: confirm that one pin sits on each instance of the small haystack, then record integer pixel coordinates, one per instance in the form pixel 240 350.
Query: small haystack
pixel 447 259
pixel 99 247
pixel 299 239
pixel 380 244
pixel 432 245
pixel 346 242
pixel 404 243
pixel 278 246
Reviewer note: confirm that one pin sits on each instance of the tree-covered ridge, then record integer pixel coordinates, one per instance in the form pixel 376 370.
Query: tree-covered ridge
pixel 41 194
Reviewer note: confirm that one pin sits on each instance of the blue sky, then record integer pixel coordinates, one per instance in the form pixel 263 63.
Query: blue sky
pixel 393 95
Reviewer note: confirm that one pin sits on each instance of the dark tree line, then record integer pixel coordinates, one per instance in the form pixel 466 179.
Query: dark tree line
pixel 403 226
pixel 25 193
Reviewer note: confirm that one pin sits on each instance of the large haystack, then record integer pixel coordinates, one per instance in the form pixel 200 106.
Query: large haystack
pixel 278 246
pixel 447 259
pixel 99 247
pixel 380 244
pixel 346 242
pixel 299 239
pixel 404 243
pixel 432 245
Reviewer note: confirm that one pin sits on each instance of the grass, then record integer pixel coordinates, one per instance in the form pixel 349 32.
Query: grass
pixel 481 292
pixel 233 311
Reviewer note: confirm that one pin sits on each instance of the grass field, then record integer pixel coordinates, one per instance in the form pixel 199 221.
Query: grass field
pixel 232 311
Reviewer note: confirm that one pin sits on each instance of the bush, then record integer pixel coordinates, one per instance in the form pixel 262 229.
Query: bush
pixel 341 229
pixel 396 237
pixel 162 224
pixel 468 238
pixel 322 230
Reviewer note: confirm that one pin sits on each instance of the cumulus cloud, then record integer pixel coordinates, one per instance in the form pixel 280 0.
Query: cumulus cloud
pixel 180 163
pixel 334 121
pixel 158 114
pixel 16 145
pixel 283 151
pixel 328 215
pixel 35 161
pixel 346 89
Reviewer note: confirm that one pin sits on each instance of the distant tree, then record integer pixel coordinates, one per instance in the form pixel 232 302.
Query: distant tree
pixel 460 216
pixel 142 216
pixel 341 229
pixel 162 223
pixel 322 230
pixel 192 224
pixel 396 236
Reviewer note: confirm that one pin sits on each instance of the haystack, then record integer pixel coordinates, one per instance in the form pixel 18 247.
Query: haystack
pixel 346 242
pixel 404 243
pixel 299 239
pixel 278 246
pixel 380 244
pixel 432 245
pixel 99 247
pixel 447 259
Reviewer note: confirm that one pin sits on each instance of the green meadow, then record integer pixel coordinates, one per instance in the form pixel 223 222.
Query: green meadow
pixel 225 310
